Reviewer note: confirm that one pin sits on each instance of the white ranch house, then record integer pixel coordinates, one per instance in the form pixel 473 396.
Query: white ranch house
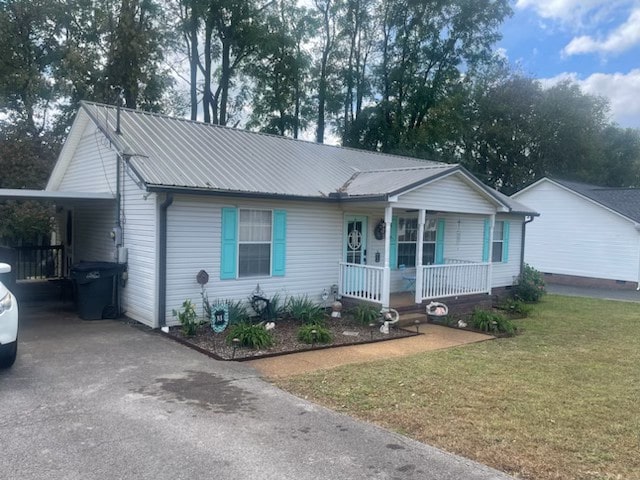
pixel 295 217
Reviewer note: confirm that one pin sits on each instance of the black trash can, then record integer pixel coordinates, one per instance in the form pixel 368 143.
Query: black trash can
pixel 95 288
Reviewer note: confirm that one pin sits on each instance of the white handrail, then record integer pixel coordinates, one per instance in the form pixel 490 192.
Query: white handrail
pixel 439 281
pixel 363 282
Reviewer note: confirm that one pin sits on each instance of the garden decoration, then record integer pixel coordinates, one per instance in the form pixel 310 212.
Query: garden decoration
pixel 336 308
pixel 389 317
pixel 219 317
pixel 203 278
pixel 437 310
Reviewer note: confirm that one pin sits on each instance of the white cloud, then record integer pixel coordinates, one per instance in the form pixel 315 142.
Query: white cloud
pixel 622 90
pixel 620 39
pixel 567 10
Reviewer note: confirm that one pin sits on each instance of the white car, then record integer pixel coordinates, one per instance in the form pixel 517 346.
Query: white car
pixel 8 322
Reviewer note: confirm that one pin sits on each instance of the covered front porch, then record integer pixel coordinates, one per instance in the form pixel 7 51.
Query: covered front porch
pixel 441 239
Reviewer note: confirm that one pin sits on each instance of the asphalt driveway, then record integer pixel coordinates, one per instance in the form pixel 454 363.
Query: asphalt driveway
pixel 108 400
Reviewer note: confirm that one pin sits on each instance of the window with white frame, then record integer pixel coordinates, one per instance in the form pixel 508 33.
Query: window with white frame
pixel 407 238
pixel 498 242
pixel 254 243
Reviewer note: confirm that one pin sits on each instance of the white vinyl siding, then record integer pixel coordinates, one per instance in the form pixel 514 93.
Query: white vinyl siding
pixel 575 236
pixel 93 165
pixel 449 194
pixel 92 226
pixel 139 295
pixel 506 273
pixel 313 250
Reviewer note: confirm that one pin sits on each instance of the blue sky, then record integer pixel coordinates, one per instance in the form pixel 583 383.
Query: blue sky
pixel 595 43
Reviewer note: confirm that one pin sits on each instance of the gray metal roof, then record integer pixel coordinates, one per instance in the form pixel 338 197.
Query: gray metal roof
pixel 176 154
pixel 625 201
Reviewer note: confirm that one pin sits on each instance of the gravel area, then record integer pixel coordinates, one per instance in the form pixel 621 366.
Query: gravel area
pixel 343 332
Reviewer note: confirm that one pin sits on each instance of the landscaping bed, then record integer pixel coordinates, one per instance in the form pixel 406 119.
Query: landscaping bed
pixel 344 331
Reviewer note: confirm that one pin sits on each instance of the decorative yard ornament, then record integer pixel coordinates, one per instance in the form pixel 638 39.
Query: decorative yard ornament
pixel 437 310
pixel 219 317
pixel 336 308
pixel 202 278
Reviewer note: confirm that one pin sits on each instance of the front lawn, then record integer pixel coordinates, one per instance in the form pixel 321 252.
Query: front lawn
pixel 559 401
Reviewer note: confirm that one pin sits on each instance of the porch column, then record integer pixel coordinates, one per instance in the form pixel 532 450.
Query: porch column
pixel 419 248
pixel 386 274
pixel 492 223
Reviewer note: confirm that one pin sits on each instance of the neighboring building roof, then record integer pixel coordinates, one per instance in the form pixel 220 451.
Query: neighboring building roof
pixel 169 153
pixel 622 200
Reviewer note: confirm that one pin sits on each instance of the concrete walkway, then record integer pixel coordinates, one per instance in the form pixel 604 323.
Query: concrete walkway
pixel 434 338
pixel 602 293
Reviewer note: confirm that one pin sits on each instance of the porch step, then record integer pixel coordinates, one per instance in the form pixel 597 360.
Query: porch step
pixel 409 319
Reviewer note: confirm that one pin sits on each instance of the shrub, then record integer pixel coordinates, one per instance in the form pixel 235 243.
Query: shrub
pixel 322 334
pixel 365 314
pixel 515 307
pixel 305 310
pixel 491 322
pixel 188 318
pixel 250 335
pixel 530 287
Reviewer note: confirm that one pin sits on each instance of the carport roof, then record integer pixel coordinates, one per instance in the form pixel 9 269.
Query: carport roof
pixel 51 195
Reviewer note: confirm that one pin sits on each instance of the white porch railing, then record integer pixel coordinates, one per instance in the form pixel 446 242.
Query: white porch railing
pixel 455 278
pixel 361 281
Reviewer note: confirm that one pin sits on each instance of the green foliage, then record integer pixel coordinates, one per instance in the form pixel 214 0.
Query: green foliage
pixel 306 333
pixel 515 307
pixel 365 314
pixel 274 308
pixel 250 335
pixel 530 287
pixel 491 322
pixel 188 318
pixel 237 311
pixel 305 310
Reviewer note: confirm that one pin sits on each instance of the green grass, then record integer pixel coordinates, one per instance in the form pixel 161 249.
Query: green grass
pixel 559 401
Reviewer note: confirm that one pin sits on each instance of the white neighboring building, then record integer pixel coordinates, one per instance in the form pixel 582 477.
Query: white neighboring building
pixel 586 234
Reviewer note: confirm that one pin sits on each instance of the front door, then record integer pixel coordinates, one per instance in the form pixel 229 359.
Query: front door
pixel 355 242
pixel 355 253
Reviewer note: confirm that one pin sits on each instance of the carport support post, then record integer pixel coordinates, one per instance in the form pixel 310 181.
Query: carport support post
pixel 386 273
pixel 419 250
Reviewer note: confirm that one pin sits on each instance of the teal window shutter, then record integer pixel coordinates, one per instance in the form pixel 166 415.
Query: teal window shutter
pixel 279 243
pixel 485 245
pixel 505 241
pixel 393 246
pixel 228 254
pixel 440 242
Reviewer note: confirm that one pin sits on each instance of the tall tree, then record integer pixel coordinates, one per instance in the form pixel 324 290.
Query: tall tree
pixel 280 71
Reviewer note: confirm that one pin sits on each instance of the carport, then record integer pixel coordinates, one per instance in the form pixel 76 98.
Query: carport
pixel 40 272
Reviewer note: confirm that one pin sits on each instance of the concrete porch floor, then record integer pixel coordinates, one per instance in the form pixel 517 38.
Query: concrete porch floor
pixel 434 337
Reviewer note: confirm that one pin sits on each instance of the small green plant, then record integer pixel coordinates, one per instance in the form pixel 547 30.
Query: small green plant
pixel 530 286
pixel 365 314
pixel 250 335
pixel 515 307
pixel 491 322
pixel 314 333
pixel 188 318
pixel 305 310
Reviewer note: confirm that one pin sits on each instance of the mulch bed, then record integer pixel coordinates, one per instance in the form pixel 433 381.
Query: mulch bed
pixel 343 332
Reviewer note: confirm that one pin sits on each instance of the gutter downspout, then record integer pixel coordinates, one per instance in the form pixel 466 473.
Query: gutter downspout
pixel 162 261
pixel 522 242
